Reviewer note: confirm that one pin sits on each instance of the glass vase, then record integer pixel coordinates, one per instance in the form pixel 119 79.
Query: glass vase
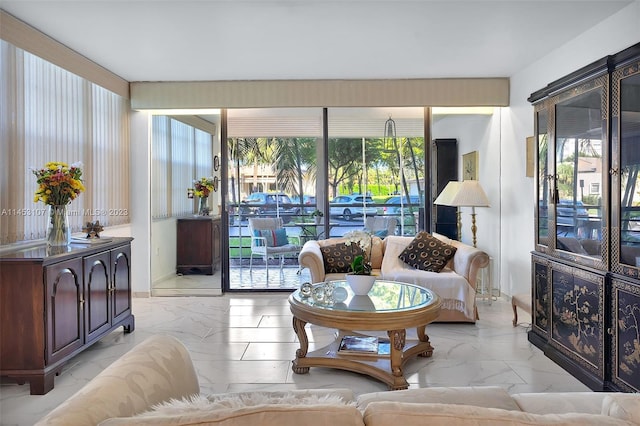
pixel 204 206
pixel 58 230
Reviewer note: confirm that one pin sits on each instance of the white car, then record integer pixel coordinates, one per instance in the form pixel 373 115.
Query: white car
pixel 350 206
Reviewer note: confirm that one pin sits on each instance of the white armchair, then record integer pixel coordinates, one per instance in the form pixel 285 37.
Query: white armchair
pixel 377 225
pixel 270 240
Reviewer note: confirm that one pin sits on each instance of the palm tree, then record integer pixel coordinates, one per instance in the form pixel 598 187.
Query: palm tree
pixel 295 159
pixel 241 151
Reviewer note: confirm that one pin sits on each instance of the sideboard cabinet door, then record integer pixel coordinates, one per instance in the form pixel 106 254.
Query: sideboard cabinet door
pixel 97 286
pixel 121 284
pixel 64 306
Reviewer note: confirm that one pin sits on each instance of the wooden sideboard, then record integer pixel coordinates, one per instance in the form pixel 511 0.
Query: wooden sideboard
pixel 198 245
pixel 55 303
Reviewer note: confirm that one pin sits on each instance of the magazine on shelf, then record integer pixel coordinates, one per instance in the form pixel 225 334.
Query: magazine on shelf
pixel 363 345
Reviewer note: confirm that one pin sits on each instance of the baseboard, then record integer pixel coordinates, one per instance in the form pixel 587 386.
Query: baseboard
pixel 186 292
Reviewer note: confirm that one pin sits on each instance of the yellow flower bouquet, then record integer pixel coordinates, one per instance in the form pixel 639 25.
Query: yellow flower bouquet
pixel 203 186
pixel 58 185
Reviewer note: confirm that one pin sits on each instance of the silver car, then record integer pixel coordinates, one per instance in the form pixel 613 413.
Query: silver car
pixel 350 206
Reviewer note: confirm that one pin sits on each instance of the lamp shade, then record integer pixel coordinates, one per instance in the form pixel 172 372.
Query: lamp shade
pixel 470 194
pixel 448 193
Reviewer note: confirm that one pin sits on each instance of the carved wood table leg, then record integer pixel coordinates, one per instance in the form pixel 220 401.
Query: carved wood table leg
pixel 298 327
pixel 397 339
pixel 423 337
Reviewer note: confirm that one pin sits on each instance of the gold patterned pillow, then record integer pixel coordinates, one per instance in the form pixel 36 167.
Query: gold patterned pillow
pixel 338 257
pixel 428 253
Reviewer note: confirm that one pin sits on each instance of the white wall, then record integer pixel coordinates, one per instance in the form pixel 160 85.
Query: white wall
pixel 479 133
pixel 610 36
pixel 140 203
pixel 163 249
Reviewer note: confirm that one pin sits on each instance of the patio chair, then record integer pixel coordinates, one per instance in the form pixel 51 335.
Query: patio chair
pixel 381 226
pixel 269 239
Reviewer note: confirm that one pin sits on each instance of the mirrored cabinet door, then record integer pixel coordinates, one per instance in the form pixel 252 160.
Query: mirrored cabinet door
pixel 625 167
pixel 581 172
pixel 544 175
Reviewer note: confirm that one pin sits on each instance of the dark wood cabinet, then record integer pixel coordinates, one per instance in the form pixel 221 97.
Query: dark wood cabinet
pixel 198 245
pixel 55 305
pixel 570 318
pixel 586 264
pixel 444 170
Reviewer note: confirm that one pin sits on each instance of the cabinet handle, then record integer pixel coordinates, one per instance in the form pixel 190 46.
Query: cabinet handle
pixel 610 331
pixel 81 302
pixel 613 172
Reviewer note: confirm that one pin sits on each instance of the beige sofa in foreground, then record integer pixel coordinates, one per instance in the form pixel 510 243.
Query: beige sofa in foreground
pixel 160 369
pixel 456 284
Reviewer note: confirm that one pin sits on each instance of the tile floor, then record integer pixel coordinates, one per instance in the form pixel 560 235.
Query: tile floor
pixel 245 341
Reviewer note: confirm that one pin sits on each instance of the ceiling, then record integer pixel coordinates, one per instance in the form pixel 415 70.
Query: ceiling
pixel 169 40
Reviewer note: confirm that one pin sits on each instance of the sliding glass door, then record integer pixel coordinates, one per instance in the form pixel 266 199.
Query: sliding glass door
pixel 272 194
pixel 287 179
pixel 376 169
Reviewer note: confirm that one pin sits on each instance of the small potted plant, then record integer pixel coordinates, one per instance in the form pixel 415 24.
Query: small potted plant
pixel 360 279
pixel 317 216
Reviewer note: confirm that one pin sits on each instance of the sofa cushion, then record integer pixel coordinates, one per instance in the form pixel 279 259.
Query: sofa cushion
pixel 622 406
pixel 427 253
pixel 480 396
pixel 560 402
pixel 410 414
pixel 338 257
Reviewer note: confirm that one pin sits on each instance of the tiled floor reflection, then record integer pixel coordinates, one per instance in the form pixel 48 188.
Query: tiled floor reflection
pixel 245 341
pixel 290 277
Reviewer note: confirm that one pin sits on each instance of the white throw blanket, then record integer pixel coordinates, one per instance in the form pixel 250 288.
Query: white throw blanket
pixel 453 289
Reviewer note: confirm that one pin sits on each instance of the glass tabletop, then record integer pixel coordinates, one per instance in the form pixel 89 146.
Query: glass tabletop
pixel 385 296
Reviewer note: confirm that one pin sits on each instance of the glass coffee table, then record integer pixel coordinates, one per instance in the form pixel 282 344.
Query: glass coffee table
pixel 390 306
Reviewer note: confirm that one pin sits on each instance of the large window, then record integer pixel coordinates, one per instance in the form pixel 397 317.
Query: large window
pixel 49 114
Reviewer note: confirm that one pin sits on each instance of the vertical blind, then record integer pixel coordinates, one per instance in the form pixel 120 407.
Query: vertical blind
pixel 180 154
pixel 49 114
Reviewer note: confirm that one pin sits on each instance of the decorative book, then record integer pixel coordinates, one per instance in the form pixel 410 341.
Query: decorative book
pixel 364 345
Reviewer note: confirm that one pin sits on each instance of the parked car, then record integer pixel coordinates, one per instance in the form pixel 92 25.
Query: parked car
pixel 392 205
pixel 569 214
pixel 350 206
pixel 306 206
pixel 267 204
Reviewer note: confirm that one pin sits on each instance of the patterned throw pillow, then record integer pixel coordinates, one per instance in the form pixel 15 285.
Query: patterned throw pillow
pixel 273 238
pixel 338 257
pixel 427 253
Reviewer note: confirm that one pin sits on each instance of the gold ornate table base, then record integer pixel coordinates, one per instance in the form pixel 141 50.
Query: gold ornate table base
pixel 386 368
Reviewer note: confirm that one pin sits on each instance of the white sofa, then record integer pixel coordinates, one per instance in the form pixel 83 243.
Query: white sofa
pixel 160 369
pixel 456 284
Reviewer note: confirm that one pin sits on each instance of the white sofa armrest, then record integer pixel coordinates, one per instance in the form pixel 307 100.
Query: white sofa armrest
pixel 311 257
pixel 156 370
pixel 467 260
